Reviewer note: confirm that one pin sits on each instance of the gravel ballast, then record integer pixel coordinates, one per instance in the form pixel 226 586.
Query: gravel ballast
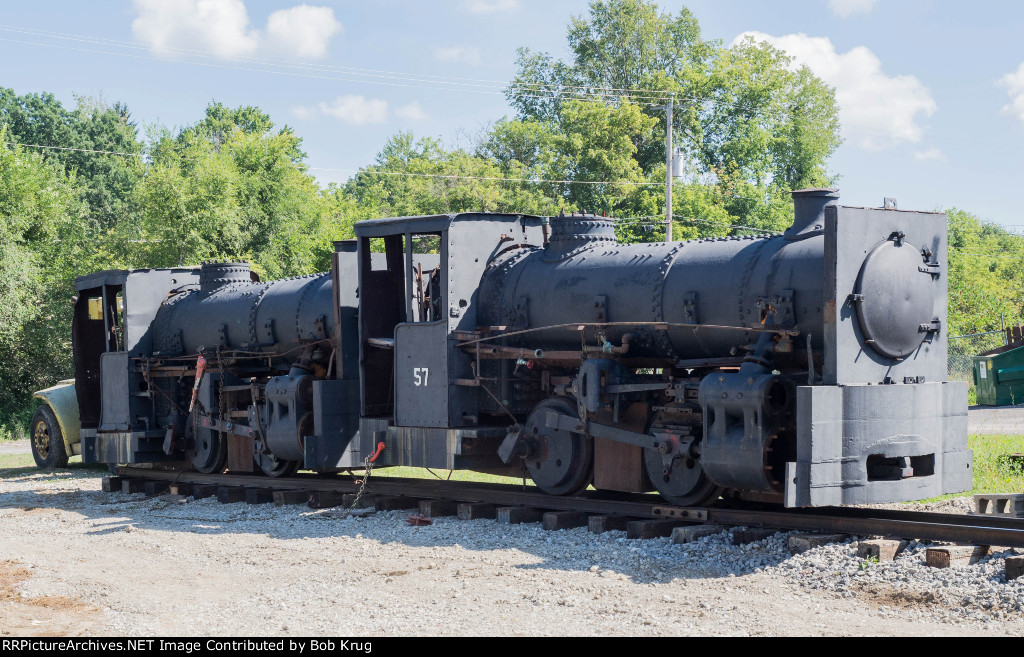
pixel 100 563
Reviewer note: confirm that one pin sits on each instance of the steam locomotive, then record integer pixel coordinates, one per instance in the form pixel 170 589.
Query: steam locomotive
pixel 806 369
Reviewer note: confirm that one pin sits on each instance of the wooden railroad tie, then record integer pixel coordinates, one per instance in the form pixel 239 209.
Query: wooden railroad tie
pixel 289 497
pixel 438 508
pixel 325 499
pixel 652 528
pixel 230 494
pixel 133 486
pixel 202 491
pixel 112 484
pixel 517 515
pixel 155 487
pixel 259 496
pixel 602 524
pixel 181 488
pixel 399 503
pixel 558 520
pixel 477 511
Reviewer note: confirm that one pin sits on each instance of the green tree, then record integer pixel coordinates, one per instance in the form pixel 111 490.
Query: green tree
pixel 752 126
pixel 436 180
pixel 986 283
pixel 97 142
pixel 41 213
pixel 233 187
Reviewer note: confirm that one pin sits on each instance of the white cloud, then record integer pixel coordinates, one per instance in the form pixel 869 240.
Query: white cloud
pixel 459 55
pixel 359 110
pixel 412 112
pixel 223 28
pixel 356 110
pixel 488 6
pixel 930 155
pixel 1014 82
pixel 303 31
pixel 847 8
pixel 876 110
pixel 301 112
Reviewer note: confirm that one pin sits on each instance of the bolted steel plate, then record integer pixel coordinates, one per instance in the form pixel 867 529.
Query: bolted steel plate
pixel 896 298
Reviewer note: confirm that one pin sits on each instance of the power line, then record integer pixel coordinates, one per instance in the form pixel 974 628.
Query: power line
pixel 380 173
pixel 501 84
pixel 542 91
pixel 385 80
pixel 489 178
pixel 79 150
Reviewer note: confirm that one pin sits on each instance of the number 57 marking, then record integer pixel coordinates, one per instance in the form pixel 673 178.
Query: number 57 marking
pixel 420 375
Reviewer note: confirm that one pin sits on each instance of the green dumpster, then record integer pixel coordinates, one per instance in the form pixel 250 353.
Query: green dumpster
pixel 999 376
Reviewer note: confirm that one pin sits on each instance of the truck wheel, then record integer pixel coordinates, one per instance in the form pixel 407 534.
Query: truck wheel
pixel 47 440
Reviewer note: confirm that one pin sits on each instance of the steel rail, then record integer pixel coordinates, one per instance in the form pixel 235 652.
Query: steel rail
pixel 973 529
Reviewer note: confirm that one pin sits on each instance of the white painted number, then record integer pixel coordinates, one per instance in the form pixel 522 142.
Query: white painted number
pixel 420 375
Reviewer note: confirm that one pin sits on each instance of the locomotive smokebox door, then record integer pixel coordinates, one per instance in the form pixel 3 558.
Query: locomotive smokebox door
pixel 421 375
pixel 885 296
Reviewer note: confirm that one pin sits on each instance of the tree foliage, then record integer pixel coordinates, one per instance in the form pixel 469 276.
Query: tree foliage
pixel 73 140
pixel 752 126
pixel 41 209
pixel 986 275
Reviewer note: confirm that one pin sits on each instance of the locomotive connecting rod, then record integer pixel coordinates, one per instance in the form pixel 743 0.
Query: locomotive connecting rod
pixel 556 420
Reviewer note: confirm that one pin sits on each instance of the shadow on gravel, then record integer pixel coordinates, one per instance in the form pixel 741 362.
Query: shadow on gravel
pixel 610 553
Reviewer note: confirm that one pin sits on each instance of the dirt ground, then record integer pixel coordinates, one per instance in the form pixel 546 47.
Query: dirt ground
pixel 76 561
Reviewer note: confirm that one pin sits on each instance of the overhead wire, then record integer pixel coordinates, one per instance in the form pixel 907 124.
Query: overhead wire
pixel 389 78
pixel 342 76
pixel 319 67
pixel 653 98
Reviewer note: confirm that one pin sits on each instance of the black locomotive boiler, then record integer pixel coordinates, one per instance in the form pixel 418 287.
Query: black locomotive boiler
pixel 807 369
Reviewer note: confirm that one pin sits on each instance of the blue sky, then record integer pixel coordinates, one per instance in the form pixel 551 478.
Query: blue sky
pixel 932 91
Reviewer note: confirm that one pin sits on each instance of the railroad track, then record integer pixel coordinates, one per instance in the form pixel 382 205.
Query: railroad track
pixel 642 516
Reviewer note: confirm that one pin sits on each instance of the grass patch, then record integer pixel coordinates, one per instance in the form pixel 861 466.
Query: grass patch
pixel 994 472
pixel 20 465
pixel 449 475
pixel 9 461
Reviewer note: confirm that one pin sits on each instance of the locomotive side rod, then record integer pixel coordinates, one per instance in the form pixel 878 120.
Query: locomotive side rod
pixel 970 529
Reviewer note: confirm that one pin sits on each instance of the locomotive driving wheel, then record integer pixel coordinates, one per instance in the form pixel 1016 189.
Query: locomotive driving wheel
pixel 209 451
pixel 681 479
pixel 272 466
pixel 560 462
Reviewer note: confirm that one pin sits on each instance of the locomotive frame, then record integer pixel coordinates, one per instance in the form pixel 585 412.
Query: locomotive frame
pixel 807 369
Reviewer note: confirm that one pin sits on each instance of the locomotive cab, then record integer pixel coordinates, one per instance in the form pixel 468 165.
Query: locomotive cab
pixel 418 389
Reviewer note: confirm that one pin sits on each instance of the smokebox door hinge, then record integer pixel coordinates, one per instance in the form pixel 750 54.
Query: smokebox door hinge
pixel 930 328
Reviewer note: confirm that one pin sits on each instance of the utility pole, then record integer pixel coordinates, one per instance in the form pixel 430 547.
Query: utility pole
pixel 669 174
